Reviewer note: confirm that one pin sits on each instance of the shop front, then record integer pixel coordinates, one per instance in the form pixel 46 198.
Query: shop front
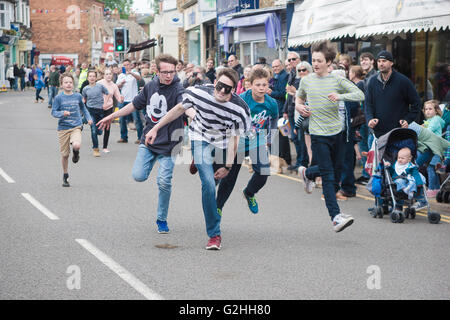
pixel 416 32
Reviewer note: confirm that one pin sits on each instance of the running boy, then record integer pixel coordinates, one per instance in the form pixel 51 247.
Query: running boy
pixel 93 96
pixel 67 107
pixel 323 91
pixel 38 84
pixel 264 113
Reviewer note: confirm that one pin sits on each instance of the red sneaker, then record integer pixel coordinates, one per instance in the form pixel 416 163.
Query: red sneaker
pixel 214 243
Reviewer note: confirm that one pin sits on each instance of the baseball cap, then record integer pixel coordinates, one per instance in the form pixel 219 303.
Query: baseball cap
pixel 385 55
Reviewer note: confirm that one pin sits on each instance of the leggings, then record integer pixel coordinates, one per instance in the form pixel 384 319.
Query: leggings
pixel 107 131
pixel 38 94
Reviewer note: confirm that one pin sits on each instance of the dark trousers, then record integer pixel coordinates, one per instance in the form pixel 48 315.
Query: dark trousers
pixel 261 171
pixel 38 94
pixel 327 152
pixel 107 131
pixel 347 168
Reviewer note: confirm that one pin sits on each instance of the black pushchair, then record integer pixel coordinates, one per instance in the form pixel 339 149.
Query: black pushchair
pixel 387 199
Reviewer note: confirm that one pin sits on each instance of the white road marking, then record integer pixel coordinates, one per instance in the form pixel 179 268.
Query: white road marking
pixel 120 271
pixel 40 207
pixel 6 177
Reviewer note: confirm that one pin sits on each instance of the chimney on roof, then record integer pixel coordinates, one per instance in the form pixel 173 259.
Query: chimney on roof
pixel 115 14
pixel 132 16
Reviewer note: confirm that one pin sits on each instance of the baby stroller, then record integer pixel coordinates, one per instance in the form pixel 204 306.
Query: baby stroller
pixel 387 199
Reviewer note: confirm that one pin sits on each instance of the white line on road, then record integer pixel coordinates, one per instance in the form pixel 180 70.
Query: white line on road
pixel 6 177
pixel 120 271
pixel 40 207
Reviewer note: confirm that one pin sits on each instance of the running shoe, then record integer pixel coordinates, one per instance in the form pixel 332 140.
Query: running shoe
pixel 214 243
pixel 342 221
pixel 309 184
pixel 162 226
pixel 251 201
pixel 75 156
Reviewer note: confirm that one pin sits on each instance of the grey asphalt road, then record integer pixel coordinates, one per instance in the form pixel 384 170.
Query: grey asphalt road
pixel 104 244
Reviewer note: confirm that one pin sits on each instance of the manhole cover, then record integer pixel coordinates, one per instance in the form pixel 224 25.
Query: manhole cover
pixel 166 246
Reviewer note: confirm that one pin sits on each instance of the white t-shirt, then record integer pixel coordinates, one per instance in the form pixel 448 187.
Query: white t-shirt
pixel 130 88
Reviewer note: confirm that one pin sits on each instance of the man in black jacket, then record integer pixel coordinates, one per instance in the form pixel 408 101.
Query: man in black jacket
pixel 233 62
pixel 391 99
pixel 16 76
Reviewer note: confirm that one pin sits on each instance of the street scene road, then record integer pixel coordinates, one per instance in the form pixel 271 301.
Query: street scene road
pixel 97 239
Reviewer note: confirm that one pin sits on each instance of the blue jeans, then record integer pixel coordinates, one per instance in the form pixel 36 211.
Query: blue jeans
pixel 433 178
pixel 364 146
pixel 143 165
pixel 207 161
pixel 327 151
pixel 52 93
pixel 16 83
pixel 97 115
pixel 123 123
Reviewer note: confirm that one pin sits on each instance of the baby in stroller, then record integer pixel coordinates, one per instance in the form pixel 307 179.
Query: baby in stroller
pixel 397 181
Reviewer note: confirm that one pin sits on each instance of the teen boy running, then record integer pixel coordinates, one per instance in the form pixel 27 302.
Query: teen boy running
pixel 159 96
pixel 323 91
pixel 93 95
pixel 221 116
pixel 67 107
pixel 264 113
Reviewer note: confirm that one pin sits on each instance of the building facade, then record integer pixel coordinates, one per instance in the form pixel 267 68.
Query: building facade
pixel 15 36
pixel 70 28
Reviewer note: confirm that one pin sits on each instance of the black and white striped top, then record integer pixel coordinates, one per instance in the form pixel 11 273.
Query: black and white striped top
pixel 216 122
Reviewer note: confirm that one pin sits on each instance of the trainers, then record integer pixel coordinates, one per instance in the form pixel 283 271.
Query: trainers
pixel 342 221
pixel 214 243
pixel 252 204
pixel 162 226
pixel 122 141
pixel 293 167
pixel 309 184
pixel 420 205
pixel 137 142
pixel 432 193
pixel 76 156
pixel 105 150
pixel 96 153
pixel 65 183
pixel 219 212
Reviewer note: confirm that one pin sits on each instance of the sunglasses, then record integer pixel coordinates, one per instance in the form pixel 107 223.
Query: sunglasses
pixel 221 85
pixel 292 59
pixel 302 70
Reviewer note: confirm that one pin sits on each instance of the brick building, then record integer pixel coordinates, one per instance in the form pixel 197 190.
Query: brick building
pixel 71 28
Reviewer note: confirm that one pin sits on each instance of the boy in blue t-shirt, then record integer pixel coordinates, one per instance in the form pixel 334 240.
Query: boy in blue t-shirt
pixel 38 84
pixel 264 114
pixel 67 107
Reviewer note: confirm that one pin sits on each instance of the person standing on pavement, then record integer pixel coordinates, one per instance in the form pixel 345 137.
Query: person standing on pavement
pixel 53 84
pixel 264 114
pixel 83 76
pixel 391 99
pixel 221 116
pixel 158 97
pixel 323 91
pixel 211 71
pixel 67 107
pixel 93 95
pixel 108 103
pixel 127 83
pixel 233 62
pixel 16 76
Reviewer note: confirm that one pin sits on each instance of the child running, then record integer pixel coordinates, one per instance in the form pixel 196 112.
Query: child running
pixel 108 102
pixel 323 91
pixel 264 114
pixel 38 84
pixel 67 107
pixel 93 96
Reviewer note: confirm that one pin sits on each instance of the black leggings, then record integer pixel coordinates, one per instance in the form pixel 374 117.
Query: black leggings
pixel 107 131
pixel 38 94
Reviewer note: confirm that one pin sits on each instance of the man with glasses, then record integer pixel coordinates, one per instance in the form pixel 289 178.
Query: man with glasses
pixel 158 97
pixel 221 116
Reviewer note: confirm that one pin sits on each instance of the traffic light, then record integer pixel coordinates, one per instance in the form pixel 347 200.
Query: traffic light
pixel 119 40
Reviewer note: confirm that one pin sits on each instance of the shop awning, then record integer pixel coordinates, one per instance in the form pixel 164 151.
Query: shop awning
pixel 315 20
pixel 270 20
pixel 388 16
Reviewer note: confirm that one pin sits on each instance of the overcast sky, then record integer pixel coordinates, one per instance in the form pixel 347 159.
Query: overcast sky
pixel 141 6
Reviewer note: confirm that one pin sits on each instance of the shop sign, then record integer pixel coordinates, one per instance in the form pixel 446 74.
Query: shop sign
pixel 25 45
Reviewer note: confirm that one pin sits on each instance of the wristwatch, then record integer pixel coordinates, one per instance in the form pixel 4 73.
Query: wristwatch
pixel 227 168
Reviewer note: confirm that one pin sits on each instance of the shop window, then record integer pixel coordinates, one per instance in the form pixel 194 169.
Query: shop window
pixel 4 21
pixel 261 50
pixel 438 65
